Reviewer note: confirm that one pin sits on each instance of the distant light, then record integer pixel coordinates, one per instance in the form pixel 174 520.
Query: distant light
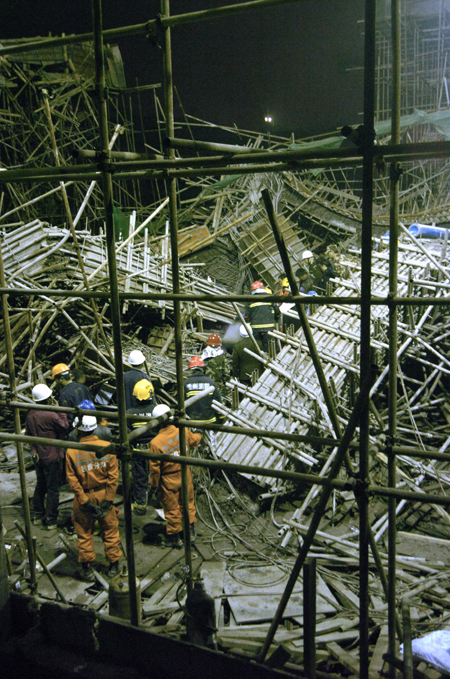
pixel 268 119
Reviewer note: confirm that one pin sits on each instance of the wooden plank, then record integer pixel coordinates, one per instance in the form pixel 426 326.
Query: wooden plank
pixel 349 661
pixel 381 647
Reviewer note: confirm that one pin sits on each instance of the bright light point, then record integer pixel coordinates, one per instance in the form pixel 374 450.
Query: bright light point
pixel 268 119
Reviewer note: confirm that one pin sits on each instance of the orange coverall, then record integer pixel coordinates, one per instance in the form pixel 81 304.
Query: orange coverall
pixel 94 480
pixel 167 476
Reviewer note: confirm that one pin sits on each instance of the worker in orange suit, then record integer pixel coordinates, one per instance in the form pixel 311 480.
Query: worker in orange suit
pixel 94 482
pixel 167 477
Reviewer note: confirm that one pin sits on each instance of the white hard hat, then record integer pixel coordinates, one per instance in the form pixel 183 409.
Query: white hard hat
pixel 41 392
pixel 307 254
pixel 160 409
pixel 88 423
pixel 136 357
pixel 243 331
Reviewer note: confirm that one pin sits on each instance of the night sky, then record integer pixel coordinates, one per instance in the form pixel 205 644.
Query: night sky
pixel 290 61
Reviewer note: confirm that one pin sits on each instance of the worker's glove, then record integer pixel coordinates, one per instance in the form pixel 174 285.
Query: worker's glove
pixel 105 507
pixel 92 509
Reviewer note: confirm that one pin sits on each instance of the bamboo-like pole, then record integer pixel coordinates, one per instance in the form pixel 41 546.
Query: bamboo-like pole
pixel 209 297
pixel 70 220
pixel 44 566
pixel 309 618
pixel 173 223
pixel 143 29
pixel 365 328
pixel 318 513
pixel 17 429
pixel 393 334
pixel 115 305
pixel 302 315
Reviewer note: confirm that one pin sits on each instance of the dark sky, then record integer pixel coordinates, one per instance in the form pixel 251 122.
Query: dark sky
pixel 290 61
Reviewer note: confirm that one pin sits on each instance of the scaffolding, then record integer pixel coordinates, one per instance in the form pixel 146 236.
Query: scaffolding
pixel 105 166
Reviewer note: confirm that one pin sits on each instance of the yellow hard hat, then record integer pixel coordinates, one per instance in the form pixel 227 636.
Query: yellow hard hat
pixel 285 283
pixel 59 369
pixel 143 390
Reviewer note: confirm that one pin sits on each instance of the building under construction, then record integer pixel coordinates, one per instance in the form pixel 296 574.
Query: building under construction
pixel 321 489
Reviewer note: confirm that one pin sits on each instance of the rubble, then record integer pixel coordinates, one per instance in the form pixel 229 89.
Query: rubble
pixel 245 550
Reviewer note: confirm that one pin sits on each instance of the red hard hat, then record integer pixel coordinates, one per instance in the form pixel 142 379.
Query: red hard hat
pixel 196 362
pixel 257 285
pixel 214 340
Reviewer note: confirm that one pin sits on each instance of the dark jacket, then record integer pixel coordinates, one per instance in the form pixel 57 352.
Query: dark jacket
pixel 261 315
pixel 242 363
pixel 201 410
pixel 130 379
pixel 71 396
pixel 144 408
pixel 49 425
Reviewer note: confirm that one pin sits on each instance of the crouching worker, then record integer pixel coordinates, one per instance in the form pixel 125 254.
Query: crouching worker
pixel 94 482
pixel 167 477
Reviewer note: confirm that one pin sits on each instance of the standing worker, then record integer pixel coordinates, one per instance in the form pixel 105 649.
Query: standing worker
pixel 217 363
pixel 202 410
pixel 144 394
pixel 243 364
pixel 134 374
pixel 102 431
pixel 261 315
pixel 70 393
pixel 47 458
pixel 167 477
pixel 94 483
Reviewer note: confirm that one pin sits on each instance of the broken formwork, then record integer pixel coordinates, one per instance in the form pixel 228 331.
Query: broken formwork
pixel 37 254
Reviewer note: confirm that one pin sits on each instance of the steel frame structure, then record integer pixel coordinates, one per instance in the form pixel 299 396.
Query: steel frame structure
pixel 104 167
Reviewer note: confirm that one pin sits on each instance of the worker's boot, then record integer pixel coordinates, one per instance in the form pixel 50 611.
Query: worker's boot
pixel 113 569
pixel 86 572
pixel 174 540
pixel 138 509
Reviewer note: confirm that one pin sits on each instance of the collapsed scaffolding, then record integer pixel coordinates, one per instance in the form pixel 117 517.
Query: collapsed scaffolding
pixel 420 285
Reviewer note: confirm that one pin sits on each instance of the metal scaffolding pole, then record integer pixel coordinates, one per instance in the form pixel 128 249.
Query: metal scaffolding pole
pixel 318 512
pixel 173 220
pixel 188 297
pixel 365 356
pixel 144 28
pixel 115 306
pixel 17 429
pixel 393 334
pixel 301 311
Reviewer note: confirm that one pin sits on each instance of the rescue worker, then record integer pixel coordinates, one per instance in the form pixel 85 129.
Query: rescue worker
pixel 94 483
pixel 70 393
pixel 312 266
pixel 217 363
pixel 47 458
pixel 144 394
pixel 167 477
pixel 202 410
pixel 285 288
pixel 305 280
pixel 243 364
pixel 102 431
pixel 133 375
pixel 261 315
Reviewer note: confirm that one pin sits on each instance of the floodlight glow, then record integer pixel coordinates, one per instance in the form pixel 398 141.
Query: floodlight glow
pixel 268 119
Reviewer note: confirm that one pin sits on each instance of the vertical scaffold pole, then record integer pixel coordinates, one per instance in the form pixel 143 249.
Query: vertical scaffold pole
pixel 115 303
pixel 17 430
pixel 365 356
pixel 393 334
pixel 173 221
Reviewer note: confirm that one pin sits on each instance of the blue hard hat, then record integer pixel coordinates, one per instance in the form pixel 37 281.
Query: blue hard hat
pixel 87 405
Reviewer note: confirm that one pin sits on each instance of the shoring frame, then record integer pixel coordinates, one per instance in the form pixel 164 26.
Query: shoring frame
pixel 394 153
